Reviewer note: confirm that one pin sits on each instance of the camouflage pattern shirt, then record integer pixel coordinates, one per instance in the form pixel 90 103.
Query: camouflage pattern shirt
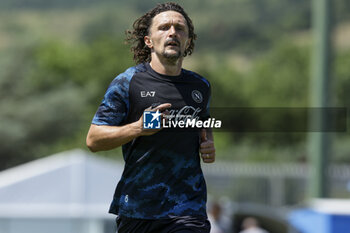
pixel 162 177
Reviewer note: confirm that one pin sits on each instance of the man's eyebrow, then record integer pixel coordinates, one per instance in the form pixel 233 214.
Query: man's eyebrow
pixel 181 24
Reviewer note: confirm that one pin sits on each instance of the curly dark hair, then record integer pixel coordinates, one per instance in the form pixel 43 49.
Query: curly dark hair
pixel 141 27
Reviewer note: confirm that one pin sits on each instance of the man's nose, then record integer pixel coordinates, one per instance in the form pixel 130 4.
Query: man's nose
pixel 172 31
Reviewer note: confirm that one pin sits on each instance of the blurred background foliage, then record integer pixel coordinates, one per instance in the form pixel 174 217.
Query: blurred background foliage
pixel 57 58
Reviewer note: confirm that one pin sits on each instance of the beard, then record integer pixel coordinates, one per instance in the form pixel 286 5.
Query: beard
pixel 171 55
pixel 174 54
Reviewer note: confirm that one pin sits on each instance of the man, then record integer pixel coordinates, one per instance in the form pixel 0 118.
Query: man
pixel 251 225
pixel 162 188
pixel 220 221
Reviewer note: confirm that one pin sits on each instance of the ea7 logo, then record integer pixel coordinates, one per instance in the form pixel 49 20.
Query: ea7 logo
pixel 148 93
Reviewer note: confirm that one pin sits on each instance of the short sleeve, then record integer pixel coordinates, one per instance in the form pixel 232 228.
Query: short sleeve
pixel 114 107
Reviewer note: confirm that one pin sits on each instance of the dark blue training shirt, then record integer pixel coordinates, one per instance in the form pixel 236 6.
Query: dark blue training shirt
pixel 162 176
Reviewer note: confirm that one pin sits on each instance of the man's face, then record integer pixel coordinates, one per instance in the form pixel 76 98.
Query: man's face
pixel 168 35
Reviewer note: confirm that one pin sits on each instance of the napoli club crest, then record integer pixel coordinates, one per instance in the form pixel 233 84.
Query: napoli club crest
pixel 197 96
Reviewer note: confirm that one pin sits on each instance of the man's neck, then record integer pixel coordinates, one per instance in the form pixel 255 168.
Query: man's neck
pixel 166 67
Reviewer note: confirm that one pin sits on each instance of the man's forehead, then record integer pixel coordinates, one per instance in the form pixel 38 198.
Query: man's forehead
pixel 169 17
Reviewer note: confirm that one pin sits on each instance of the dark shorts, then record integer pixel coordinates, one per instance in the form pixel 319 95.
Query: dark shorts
pixel 184 224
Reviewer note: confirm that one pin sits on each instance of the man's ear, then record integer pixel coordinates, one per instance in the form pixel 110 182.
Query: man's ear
pixel 148 42
pixel 188 43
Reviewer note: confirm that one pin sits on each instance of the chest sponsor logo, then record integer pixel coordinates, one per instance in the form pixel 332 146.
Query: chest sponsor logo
pixel 184 113
pixel 147 93
pixel 197 96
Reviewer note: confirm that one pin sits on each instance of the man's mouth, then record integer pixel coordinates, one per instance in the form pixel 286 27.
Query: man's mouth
pixel 172 43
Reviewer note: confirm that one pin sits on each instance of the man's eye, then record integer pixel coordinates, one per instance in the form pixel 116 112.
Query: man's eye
pixel 179 28
pixel 163 27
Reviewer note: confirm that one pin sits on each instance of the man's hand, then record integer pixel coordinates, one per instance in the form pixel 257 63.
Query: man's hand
pixel 160 108
pixel 103 137
pixel 206 148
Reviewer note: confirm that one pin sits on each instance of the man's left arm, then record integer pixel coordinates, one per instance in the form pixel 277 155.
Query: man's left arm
pixel 206 147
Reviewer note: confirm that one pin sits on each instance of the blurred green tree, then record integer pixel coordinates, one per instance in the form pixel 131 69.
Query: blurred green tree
pixel 54 95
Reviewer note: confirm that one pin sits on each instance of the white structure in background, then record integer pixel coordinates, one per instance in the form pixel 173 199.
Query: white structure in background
pixel 69 192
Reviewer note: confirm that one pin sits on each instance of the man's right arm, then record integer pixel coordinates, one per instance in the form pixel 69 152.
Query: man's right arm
pixel 104 137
